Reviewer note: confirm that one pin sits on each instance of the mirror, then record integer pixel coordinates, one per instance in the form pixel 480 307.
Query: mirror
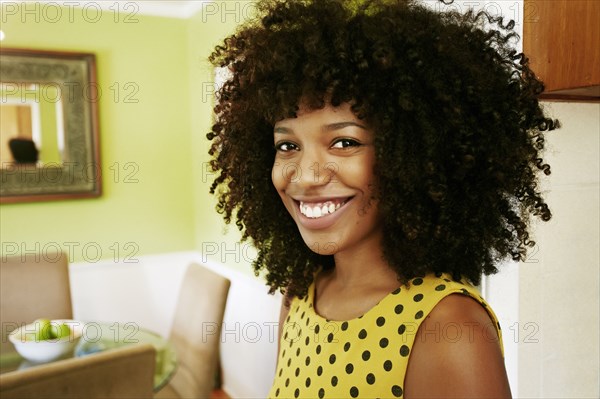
pixel 48 126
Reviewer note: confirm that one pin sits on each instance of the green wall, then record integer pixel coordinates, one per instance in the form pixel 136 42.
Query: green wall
pixel 148 203
pixel 207 29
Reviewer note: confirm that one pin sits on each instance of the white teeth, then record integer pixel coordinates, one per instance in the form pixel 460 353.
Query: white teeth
pixel 319 210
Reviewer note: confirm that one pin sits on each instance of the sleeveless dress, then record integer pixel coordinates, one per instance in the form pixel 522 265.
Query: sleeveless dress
pixel 365 357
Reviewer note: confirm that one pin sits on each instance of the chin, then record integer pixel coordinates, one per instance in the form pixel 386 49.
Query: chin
pixel 322 247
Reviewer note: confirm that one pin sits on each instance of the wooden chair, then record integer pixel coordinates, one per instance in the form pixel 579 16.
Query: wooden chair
pixel 196 333
pixel 33 286
pixel 126 372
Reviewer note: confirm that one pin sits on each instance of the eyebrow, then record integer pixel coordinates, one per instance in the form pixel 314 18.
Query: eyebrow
pixel 329 127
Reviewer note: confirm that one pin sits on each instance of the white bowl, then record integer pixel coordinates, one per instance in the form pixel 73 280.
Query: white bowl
pixel 47 350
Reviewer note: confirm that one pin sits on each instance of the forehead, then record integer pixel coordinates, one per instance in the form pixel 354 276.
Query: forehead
pixel 325 115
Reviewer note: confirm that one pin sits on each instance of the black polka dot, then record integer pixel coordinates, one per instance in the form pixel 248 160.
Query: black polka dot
pixel 370 379
pixel 401 329
pixel 404 351
pixel 396 391
pixel 380 321
pixel 317 329
pixel 330 337
pixel 319 370
pixel 419 314
pixel 285 335
pixel 288 318
pixel 440 287
pixel 334 381
pixel 308 321
pixel 287 382
pixel 321 393
pixel 346 346
pixel 296 393
pixel 302 315
pixel 344 326
pixel 349 368
pixel 418 298
pixel 297 371
pixel 297 352
pixel 332 359
pixel 362 334
pixel 396 291
pixel 418 281
pixel 387 365
pixel 289 362
pixel 280 372
pixel 366 355
pixel 307 383
pixel 277 392
pixel 307 341
pixel 383 342
pixel 318 349
pixel 307 361
pixel 354 392
pixel 398 309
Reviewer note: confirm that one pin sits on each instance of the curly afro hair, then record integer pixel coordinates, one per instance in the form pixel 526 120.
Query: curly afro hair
pixel 458 131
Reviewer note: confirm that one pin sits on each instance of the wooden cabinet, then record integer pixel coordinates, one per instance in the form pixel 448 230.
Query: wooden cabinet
pixel 562 40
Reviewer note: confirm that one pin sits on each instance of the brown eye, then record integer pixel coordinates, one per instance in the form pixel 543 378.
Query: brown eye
pixel 345 143
pixel 286 146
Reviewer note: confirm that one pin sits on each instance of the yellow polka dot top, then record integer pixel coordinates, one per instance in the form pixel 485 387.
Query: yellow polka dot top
pixel 365 357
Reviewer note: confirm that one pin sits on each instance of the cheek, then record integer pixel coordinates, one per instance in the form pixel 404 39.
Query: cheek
pixel 276 175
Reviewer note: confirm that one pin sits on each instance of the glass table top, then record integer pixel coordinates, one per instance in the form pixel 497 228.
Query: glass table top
pixel 102 336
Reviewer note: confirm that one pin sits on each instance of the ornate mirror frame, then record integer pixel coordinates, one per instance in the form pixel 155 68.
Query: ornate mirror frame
pixel 72 76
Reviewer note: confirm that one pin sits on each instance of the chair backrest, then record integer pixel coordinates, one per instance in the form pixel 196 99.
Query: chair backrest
pixel 126 372
pixel 196 331
pixel 33 286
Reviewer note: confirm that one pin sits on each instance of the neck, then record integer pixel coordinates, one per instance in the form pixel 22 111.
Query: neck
pixel 364 266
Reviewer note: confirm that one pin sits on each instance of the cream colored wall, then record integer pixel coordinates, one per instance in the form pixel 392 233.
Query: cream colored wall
pixel 559 289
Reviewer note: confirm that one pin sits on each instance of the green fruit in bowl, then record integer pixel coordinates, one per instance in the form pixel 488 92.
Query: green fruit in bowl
pixel 41 331
pixel 59 330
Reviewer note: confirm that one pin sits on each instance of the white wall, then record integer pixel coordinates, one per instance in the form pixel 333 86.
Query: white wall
pixel 559 286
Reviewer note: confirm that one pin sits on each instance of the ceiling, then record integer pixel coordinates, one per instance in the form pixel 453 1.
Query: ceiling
pixel 173 8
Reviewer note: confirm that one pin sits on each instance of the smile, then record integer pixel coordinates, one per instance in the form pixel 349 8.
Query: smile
pixel 315 210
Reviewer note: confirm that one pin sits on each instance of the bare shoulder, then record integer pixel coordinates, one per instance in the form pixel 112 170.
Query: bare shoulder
pixel 457 353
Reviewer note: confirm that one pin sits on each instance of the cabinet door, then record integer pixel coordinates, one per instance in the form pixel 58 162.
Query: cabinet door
pixel 562 40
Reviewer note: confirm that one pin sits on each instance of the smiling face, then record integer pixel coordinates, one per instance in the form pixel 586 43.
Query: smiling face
pixel 323 171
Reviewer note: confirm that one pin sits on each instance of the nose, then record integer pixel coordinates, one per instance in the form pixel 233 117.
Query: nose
pixel 310 169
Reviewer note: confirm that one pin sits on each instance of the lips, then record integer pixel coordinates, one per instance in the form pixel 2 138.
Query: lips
pixel 315 210
pixel 320 213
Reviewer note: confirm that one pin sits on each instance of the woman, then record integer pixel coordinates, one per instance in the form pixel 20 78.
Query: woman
pixel 380 156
